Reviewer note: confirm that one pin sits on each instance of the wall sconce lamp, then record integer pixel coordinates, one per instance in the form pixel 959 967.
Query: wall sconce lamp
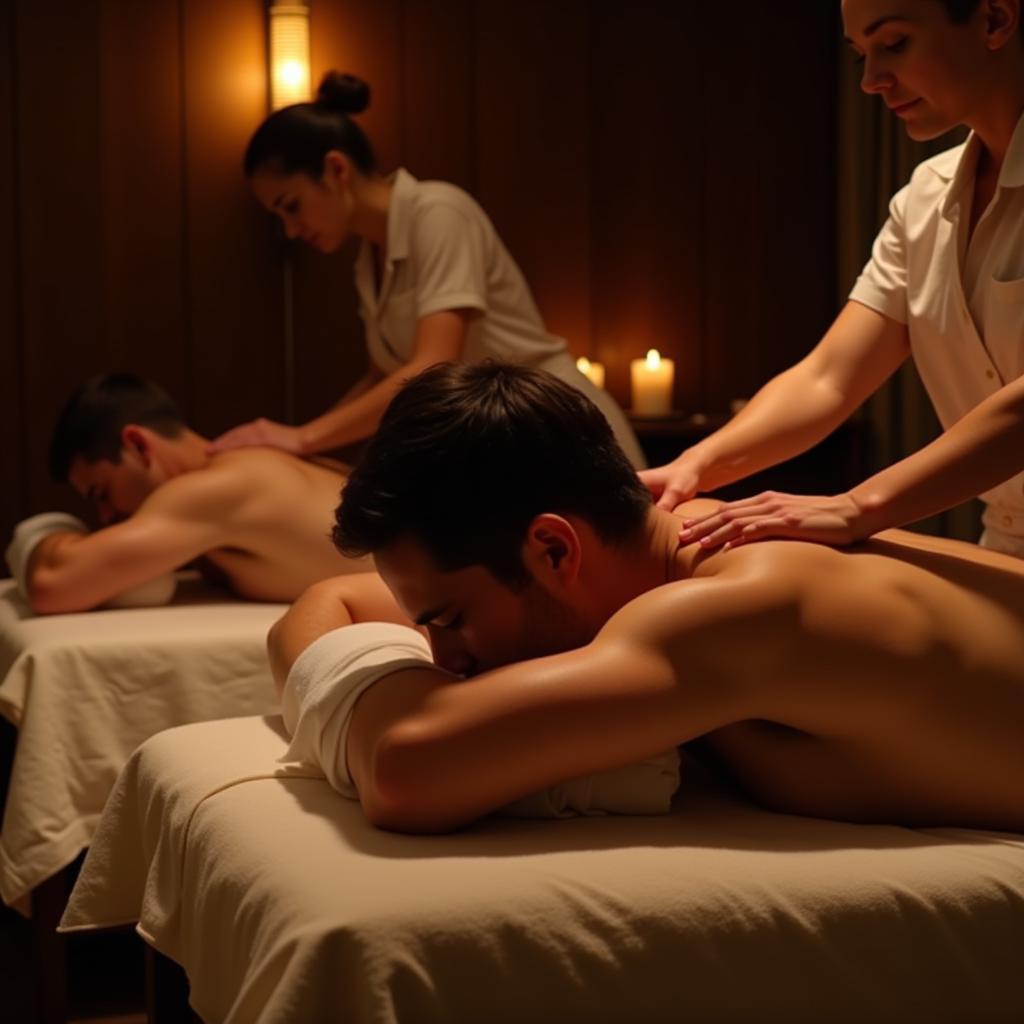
pixel 289 53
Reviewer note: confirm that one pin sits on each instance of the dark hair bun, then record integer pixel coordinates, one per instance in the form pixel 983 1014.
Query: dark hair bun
pixel 344 93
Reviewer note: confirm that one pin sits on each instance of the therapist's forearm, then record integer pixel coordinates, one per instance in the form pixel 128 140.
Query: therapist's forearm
pixel 353 421
pixel 980 451
pixel 790 414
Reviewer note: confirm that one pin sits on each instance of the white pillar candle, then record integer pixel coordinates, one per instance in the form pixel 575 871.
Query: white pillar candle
pixel 594 371
pixel 652 384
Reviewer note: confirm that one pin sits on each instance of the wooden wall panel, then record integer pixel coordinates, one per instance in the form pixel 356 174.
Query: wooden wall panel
pixel 768 252
pixel 233 275
pixel 439 103
pixel 143 243
pixel 646 167
pixel 57 92
pixel 796 240
pixel 329 351
pixel 533 130
pixel 13 440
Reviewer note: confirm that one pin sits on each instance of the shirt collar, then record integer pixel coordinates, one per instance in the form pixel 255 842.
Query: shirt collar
pixel 403 188
pixel 1012 173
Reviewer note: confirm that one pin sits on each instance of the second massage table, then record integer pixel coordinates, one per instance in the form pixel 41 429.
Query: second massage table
pixel 85 690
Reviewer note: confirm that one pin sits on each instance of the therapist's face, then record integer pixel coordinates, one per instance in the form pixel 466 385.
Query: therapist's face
pixel 475 621
pixel 317 210
pixel 927 70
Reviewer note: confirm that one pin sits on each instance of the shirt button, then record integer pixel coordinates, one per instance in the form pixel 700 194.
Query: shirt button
pixel 990 374
pixel 1007 520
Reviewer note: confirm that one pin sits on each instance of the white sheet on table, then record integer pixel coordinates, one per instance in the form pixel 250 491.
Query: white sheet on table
pixel 283 904
pixel 85 690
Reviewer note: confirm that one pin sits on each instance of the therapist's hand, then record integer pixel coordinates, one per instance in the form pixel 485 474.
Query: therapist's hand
pixel 826 520
pixel 675 482
pixel 259 433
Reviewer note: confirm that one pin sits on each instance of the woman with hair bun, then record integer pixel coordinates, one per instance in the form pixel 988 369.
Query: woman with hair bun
pixel 435 283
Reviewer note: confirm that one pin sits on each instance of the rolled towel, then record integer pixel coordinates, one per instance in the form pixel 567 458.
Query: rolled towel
pixel 329 676
pixel 27 536
pixel 643 788
pixel 157 591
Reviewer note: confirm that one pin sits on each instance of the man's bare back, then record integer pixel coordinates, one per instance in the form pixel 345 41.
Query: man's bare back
pixel 278 537
pixel 260 517
pixel 881 683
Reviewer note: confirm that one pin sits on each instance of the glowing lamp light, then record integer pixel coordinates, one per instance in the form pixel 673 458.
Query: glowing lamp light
pixel 652 378
pixel 593 371
pixel 289 53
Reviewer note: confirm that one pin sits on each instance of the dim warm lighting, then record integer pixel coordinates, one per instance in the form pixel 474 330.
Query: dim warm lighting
pixel 289 53
pixel 652 378
pixel 594 372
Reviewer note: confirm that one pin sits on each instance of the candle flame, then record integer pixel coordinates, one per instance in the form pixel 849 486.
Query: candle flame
pixel 653 359
pixel 583 364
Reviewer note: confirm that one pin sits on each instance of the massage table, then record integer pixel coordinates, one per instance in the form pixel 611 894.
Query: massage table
pixel 283 904
pixel 83 691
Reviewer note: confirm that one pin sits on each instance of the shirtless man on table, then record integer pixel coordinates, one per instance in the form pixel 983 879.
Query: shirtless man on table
pixel 259 519
pixel 573 634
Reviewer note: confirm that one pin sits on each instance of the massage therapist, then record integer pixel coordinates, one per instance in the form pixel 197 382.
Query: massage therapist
pixel 945 285
pixel 435 283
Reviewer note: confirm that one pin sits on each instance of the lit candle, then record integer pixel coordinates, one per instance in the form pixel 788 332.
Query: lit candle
pixel 652 384
pixel 594 371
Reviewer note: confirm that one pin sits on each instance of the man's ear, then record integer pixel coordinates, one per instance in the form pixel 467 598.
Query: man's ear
pixel 138 441
pixel 552 551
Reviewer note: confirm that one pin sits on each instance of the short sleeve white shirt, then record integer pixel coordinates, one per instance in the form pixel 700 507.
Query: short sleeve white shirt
pixel 443 253
pixel 963 304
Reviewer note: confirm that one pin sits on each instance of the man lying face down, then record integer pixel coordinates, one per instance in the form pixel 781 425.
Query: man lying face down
pixel 259 518
pixel 880 684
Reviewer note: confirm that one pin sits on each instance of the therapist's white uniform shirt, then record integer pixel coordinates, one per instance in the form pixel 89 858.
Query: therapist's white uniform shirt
pixel 963 304
pixel 443 253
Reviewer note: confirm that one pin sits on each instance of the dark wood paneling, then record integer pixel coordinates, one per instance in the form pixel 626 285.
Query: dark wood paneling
pixel 439 108
pixel 532 129
pixel 144 317
pixel 330 352
pixel 57 93
pixel 768 247
pixel 646 166
pixel 233 273
pixel 13 455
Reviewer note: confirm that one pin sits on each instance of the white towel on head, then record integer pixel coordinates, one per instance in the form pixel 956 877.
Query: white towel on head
pixel 332 673
pixel 27 536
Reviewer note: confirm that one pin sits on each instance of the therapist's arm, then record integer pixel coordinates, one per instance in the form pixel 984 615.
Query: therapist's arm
pixel 981 450
pixel 440 338
pixel 794 410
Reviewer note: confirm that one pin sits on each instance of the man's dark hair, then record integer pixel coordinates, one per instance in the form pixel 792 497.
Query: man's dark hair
pixel 467 455
pixel 89 426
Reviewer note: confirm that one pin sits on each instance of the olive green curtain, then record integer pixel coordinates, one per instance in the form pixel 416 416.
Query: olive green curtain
pixel 876 159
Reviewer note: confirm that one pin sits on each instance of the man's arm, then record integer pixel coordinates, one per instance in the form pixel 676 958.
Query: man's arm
pixel 429 754
pixel 182 519
pixel 327 605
